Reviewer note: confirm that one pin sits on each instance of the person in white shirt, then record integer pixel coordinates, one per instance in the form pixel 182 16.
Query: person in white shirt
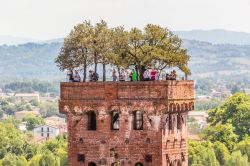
pixel 77 77
pixel 114 76
pixel 146 75
pixel 122 75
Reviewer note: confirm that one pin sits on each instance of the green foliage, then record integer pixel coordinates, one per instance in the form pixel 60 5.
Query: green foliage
pixel 35 160
pixel 229 124
pixel 48 109
pixel 11 140
pixel 201 154
pixel 244 147
pixel 10 106
pixel 193 126
pixel 32 121
pixel 30 150
pixel 222 133
pixel 235 111
pixel 238 160
pixel 54 145
pixel 29 86
pixel 48 159
pixel 221 152
pixel 215 154
pixel 16 149
pixel 13 160
pixel 34 102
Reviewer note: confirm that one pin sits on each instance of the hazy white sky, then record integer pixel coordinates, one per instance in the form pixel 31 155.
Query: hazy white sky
pixel 46 19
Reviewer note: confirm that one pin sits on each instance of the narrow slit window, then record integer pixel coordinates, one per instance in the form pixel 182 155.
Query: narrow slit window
pixel 170 122
pixel 179 123
pixel 91 120
pixel 115 120
pixel 138 120
pixel 81 158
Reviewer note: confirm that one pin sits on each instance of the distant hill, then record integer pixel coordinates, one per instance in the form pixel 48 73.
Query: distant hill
pixel 211 59
pixel 11 40
pixel 29 60
pixel 216 36
pixel 36 61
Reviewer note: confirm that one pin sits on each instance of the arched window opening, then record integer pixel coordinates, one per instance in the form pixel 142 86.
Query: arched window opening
pixel 91 120
pixel 138 120
pixel 138 164
pixel 91 164
pixel 115 120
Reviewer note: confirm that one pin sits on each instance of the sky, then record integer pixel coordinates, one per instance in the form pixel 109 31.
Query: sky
pixel 48 19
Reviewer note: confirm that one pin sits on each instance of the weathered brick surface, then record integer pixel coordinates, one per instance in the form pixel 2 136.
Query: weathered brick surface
pixel 158 101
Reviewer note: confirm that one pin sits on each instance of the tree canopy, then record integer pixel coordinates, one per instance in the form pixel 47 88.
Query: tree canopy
pixel 17 149
pixel 235 111
pixel 32 121
pixel 152 47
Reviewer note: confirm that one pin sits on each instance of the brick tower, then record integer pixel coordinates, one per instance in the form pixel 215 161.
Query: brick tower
pixel 127 123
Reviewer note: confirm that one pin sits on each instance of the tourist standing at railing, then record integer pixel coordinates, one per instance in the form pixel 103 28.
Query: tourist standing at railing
pixel 146 75
pixel 70 76
pixel 153 74
pixel 95 76
pixel 174 75
pixel 134 75
pixel 157 76
pixel 76 77
pixel 114 75
pixel 130 75
pixel 122 75
pixel 90 75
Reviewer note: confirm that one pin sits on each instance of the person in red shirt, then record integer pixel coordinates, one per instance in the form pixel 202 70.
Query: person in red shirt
pixel 153 74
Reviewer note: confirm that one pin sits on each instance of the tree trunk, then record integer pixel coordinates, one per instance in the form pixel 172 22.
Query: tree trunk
pixel 84 72
pixel 95 62
pixel 104 72
pixel 119 73
pixel 138 70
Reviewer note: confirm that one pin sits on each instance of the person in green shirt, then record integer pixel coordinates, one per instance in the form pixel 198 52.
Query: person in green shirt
pixel 134 75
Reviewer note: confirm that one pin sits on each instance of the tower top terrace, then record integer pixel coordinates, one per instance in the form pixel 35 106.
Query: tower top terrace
pixel 170 95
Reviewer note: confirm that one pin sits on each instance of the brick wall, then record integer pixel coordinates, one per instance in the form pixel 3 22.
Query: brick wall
pixel 163 104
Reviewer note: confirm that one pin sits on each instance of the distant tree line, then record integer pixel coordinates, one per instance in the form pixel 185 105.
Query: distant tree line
pixel 30 86
pixel 154 46
pixel 203 105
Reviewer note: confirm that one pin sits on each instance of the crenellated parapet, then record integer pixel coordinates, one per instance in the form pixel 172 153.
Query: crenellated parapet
pixel 164 96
